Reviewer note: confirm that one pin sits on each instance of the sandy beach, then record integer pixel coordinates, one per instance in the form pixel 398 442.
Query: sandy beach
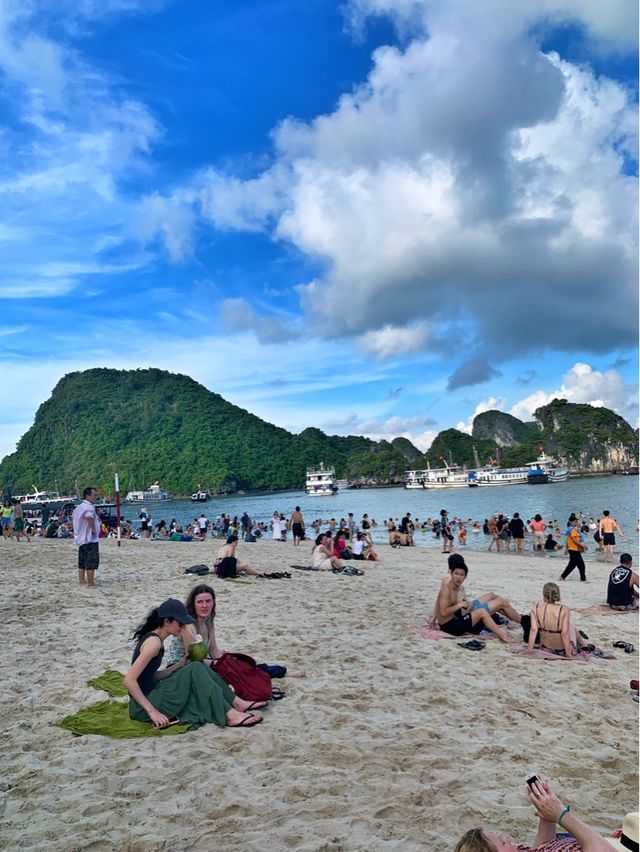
pixel 391 742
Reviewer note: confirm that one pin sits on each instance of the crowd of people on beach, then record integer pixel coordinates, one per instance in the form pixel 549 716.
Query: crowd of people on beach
pixel 202 683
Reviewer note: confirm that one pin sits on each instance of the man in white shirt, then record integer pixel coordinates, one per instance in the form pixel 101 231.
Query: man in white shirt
pixel 203 525
pixel 86 534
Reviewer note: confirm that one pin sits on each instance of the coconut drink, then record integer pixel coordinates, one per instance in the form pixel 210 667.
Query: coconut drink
pixel 198 650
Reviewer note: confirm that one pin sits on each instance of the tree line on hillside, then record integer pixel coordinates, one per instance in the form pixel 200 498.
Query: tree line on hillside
pixel 149 425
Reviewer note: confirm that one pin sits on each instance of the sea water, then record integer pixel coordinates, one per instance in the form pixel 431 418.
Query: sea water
pixel 556 500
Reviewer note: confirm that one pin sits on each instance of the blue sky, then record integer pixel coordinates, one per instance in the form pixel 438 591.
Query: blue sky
pixel 376 217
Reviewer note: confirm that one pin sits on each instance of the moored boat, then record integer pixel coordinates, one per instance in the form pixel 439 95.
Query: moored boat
pixel 321 481
pixel 449 476
pixel 545 469
pixel 500 476
pixel 52 500
pixel 199 496
pixel 152 494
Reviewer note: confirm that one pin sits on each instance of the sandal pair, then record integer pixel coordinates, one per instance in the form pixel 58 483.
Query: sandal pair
pixel 473 645
pixel 627 647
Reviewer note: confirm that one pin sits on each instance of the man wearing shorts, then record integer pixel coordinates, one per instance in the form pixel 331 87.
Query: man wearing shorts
pixel 459 616
pixel 86 534
pixel 297 526
pixel 608 526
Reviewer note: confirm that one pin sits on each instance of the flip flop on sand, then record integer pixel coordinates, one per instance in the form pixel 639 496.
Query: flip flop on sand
pixel 626 646
pixel 256 705
pixel 248 722
pixel 473 645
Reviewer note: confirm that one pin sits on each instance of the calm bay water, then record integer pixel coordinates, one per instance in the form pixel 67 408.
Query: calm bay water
pixel 591 495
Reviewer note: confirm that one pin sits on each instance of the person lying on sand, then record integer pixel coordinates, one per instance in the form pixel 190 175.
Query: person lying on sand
pixel 551 621
pixel 551 812
pixel 226 563
pixel 188 691
pixel 458 617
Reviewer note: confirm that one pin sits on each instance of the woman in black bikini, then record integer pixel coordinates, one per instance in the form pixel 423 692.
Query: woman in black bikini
pixel 550 620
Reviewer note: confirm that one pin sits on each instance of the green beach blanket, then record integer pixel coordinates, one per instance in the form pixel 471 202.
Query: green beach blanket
pixel 111 681
pixel 111 718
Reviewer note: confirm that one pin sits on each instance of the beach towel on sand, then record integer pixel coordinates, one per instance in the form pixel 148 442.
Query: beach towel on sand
pixel 111 718
pixel 428 631
pixel 542 654
pixel 111 682
pixel 603 609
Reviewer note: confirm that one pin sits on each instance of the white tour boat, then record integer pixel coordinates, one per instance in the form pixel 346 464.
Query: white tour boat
pixel 199 496
pixel 321 481
pixel 500 476
pixel 544 470
pixel 152 494
pixel 449 476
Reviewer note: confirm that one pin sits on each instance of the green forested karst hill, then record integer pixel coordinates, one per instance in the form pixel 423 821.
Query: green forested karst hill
pixel 151 424
pixel 581 436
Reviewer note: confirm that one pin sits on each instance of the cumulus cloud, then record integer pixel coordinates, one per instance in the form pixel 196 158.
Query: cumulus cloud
pixel 474 371
pixel 392 340
pixel 584 384
pixel 468 175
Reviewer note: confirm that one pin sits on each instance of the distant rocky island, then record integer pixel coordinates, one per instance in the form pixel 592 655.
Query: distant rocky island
pixel 150 425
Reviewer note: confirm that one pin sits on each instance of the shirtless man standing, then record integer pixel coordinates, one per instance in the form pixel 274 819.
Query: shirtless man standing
pixel 608 526
pixel 297 526
pixel 456 615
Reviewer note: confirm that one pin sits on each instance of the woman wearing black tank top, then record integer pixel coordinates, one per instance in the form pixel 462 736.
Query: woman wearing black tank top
pixel 189 691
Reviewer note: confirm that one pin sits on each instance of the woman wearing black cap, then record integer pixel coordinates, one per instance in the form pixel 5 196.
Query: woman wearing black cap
pixel 189 691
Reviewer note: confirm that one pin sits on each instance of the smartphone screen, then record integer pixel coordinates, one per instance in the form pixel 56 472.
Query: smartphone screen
pixel 174 720
pixel 531 778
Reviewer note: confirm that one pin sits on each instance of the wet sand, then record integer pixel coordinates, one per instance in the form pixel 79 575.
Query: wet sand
pixel 391 742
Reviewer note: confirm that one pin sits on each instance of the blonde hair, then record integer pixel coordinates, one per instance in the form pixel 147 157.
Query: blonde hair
pixel 474 841
pixel 551 592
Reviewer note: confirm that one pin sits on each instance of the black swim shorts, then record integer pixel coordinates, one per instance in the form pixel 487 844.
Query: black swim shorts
pixel 461 624
pixel 88 557
pixel 608 538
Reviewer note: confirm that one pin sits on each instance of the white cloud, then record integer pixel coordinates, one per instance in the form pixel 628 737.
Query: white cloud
pixel 468 173
pixel 74 142
pixel 584 384
pixel 390 340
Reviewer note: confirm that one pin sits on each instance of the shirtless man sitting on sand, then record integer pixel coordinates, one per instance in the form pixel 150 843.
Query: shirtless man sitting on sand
pixel 227 561
pixel 456 615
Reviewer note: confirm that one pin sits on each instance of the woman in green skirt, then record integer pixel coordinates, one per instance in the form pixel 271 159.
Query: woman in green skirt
pixel 188 691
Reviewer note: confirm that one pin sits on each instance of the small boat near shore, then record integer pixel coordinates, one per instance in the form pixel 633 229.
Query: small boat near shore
pixel 199 496
pixel 152 495
pixel 321 481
